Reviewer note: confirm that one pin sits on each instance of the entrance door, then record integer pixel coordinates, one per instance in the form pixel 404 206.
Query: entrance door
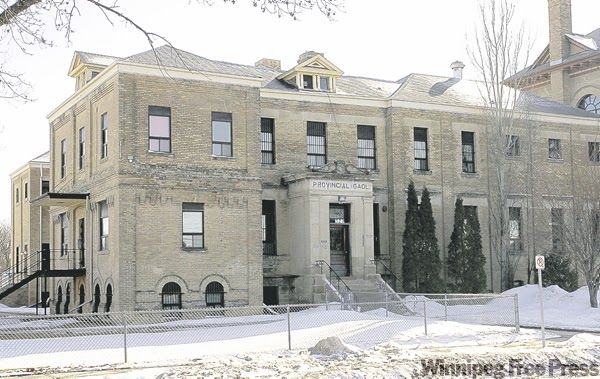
pixel 339 239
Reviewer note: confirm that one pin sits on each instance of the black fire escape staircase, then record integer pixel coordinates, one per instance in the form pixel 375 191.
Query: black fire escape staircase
pixel 42 264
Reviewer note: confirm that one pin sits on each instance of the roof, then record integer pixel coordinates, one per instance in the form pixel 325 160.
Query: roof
pixel 590 43
pixel 422 88
pixel 96 59
pixel 168 56
pixel 441 90
pixel 43 158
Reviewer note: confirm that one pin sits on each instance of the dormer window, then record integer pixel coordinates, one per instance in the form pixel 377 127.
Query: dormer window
pixel 313 73
pixel 308 82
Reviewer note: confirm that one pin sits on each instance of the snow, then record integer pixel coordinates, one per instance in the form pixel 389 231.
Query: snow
pixel 253 342
pixel 562 309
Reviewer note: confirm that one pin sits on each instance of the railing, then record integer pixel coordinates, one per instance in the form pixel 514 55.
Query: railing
pixel 337 282
pixel 387 272
pixel 37 262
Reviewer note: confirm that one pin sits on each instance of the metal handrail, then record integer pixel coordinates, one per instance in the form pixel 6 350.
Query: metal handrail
pixel 35 264
pixel 386 269
pixel 320 263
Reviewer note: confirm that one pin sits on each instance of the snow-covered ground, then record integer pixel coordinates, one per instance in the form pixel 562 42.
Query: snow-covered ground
pixel 261 340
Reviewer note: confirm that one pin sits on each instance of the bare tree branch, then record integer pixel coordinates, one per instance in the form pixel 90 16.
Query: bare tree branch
pixel 22 23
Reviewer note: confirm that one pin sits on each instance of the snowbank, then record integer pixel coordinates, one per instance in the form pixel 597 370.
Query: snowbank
pixel 562 309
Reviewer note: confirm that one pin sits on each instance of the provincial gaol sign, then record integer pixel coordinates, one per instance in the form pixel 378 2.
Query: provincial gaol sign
pixel 338 185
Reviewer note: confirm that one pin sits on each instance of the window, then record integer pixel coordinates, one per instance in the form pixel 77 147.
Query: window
pixel 215 295
pixel 268 228
pixel 316 142
pixel 26 191
pixel 267 140
pixel 97 295
pixel 81 242
pixel 590 103
pixel 470 211
pixel 193 225
pixel 557 223
pixel 58 300
pixel 81 298
pixel 221 134
pixel 420 162
pixel 366 147
pixel 104 135
pixel 94 74
pixel 376 236
pixel 67 299
pixel 45 186
pixel 159 129
pixel 514 229
pixel 81 148
pixel 17 196
pixel 468 152
pixel 171 296
pixel 104 225
pixel 554 150
pixel 308 82
pixel 594 151
pixel 109 296
pixel 63 158
pixel 339 214
pixel 324 83
pixel 18 258
pixel 512 146
pixel 64 225
pixel 271 295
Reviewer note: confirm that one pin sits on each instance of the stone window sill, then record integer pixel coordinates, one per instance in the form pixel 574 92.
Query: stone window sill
pixel 222 157
pixel 194 250
pixel 473 175
pixel 161 153
pixel 422 172
pixel 555 160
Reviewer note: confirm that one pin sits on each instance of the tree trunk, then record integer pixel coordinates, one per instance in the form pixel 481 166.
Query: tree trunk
pixel 593 295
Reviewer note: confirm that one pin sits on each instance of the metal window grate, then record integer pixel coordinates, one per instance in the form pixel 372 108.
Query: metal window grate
pixel 267 140
pixel 468 152
pixel 366 147
pixel 316 141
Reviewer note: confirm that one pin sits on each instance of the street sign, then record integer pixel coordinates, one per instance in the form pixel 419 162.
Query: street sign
pixel 540 262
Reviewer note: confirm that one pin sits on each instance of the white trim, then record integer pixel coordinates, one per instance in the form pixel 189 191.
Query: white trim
pixel 150 70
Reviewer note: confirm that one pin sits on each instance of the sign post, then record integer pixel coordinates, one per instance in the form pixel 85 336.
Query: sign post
pixel 540 264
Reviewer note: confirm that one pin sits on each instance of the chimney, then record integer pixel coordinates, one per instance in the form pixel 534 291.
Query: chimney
pixel 270 63
pixel 457 69
pixel 560 23
pixel 307 55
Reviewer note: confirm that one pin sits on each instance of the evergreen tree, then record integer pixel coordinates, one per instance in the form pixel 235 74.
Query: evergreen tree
pixel 559 271
pixel 457 252
pixel 465 256
pixel 475 279
pixel 428 250
pixel 410 238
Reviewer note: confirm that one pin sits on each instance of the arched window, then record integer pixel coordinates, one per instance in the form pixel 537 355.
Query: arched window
pixel 109 295
pixel 67 299
pixel 171 296
pixel 81 298
pixel 215 295
pixel 96 299
pixel 58 300
pixel 590 103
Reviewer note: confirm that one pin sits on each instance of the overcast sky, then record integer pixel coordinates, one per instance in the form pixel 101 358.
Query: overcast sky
pixel 385 39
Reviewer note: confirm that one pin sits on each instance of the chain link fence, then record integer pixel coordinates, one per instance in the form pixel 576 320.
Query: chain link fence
pixel 103 338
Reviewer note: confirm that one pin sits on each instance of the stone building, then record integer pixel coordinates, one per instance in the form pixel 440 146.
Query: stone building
pixel 179 181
